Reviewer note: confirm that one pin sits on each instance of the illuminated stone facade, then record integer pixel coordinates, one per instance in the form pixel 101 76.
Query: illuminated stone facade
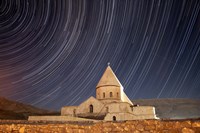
pixel 110 104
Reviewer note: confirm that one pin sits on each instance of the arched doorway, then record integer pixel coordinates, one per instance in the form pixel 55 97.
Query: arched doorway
pixel 114 118
pixel 91 108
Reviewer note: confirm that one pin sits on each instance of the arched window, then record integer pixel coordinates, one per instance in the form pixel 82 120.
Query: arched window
pixel 91 108
pixel 104 95
pixel 117 94
pixel 111 94
pixel 114 118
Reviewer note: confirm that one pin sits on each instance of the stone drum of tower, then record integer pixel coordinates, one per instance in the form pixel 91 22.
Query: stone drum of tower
pixel 109 87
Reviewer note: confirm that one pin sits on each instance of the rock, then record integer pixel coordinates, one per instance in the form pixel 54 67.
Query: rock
pixel 21 130
pixel 132 127
pixel 81 131
pixel 177 125
pixel 12 127
pixel 127 128
pixel 160 126
pixel 145 132
pixel 136 131
pixel 174 131
pixel 118 129
pixel 75 131
pixel 196 124
pixel 140 127
pixel 69 130
pixel 186 124
pixel 132 122
pixel 148 122
pixel 147 126
pixel 107 124
pixel 75 126
pixel 107 129
pixel 187 130
pixel 150 127
pixel 164 131
pixel 169 125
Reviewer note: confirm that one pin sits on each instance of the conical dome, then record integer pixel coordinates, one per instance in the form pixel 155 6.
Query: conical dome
pixel 108 79
pixel 109 88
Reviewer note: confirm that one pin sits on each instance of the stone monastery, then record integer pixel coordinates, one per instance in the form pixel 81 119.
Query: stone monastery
pixel 110 104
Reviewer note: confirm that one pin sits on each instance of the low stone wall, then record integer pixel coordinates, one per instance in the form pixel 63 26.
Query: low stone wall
pixel 57 118
pixel 139 126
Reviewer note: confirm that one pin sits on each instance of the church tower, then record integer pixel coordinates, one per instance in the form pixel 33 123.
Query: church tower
pixel 109 89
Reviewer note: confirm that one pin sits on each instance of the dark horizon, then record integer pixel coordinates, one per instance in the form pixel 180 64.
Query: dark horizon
pixel 53 53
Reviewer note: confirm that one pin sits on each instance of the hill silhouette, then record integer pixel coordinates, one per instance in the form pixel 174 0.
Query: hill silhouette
pixel 13 110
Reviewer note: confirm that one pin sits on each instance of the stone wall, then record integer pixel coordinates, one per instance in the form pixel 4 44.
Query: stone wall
pixel 116 95
pixel 85 106
pixel 58 118
pixel 142 126
pixel 69 110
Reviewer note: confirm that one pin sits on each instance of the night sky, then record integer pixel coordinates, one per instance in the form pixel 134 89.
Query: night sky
pixel 53 52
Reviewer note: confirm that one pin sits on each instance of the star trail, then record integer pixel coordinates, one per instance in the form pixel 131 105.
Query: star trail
pixel 53 52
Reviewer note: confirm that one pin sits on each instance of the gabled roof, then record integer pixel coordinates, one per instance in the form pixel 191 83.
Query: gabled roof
pixel 108 79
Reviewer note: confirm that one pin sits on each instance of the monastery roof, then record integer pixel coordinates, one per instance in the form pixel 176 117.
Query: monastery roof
pixel 108 79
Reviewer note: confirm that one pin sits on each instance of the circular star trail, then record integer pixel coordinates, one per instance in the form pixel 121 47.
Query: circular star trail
pixel 53 52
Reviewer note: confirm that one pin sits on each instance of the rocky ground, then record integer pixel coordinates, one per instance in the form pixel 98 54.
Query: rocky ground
pixel 142 126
